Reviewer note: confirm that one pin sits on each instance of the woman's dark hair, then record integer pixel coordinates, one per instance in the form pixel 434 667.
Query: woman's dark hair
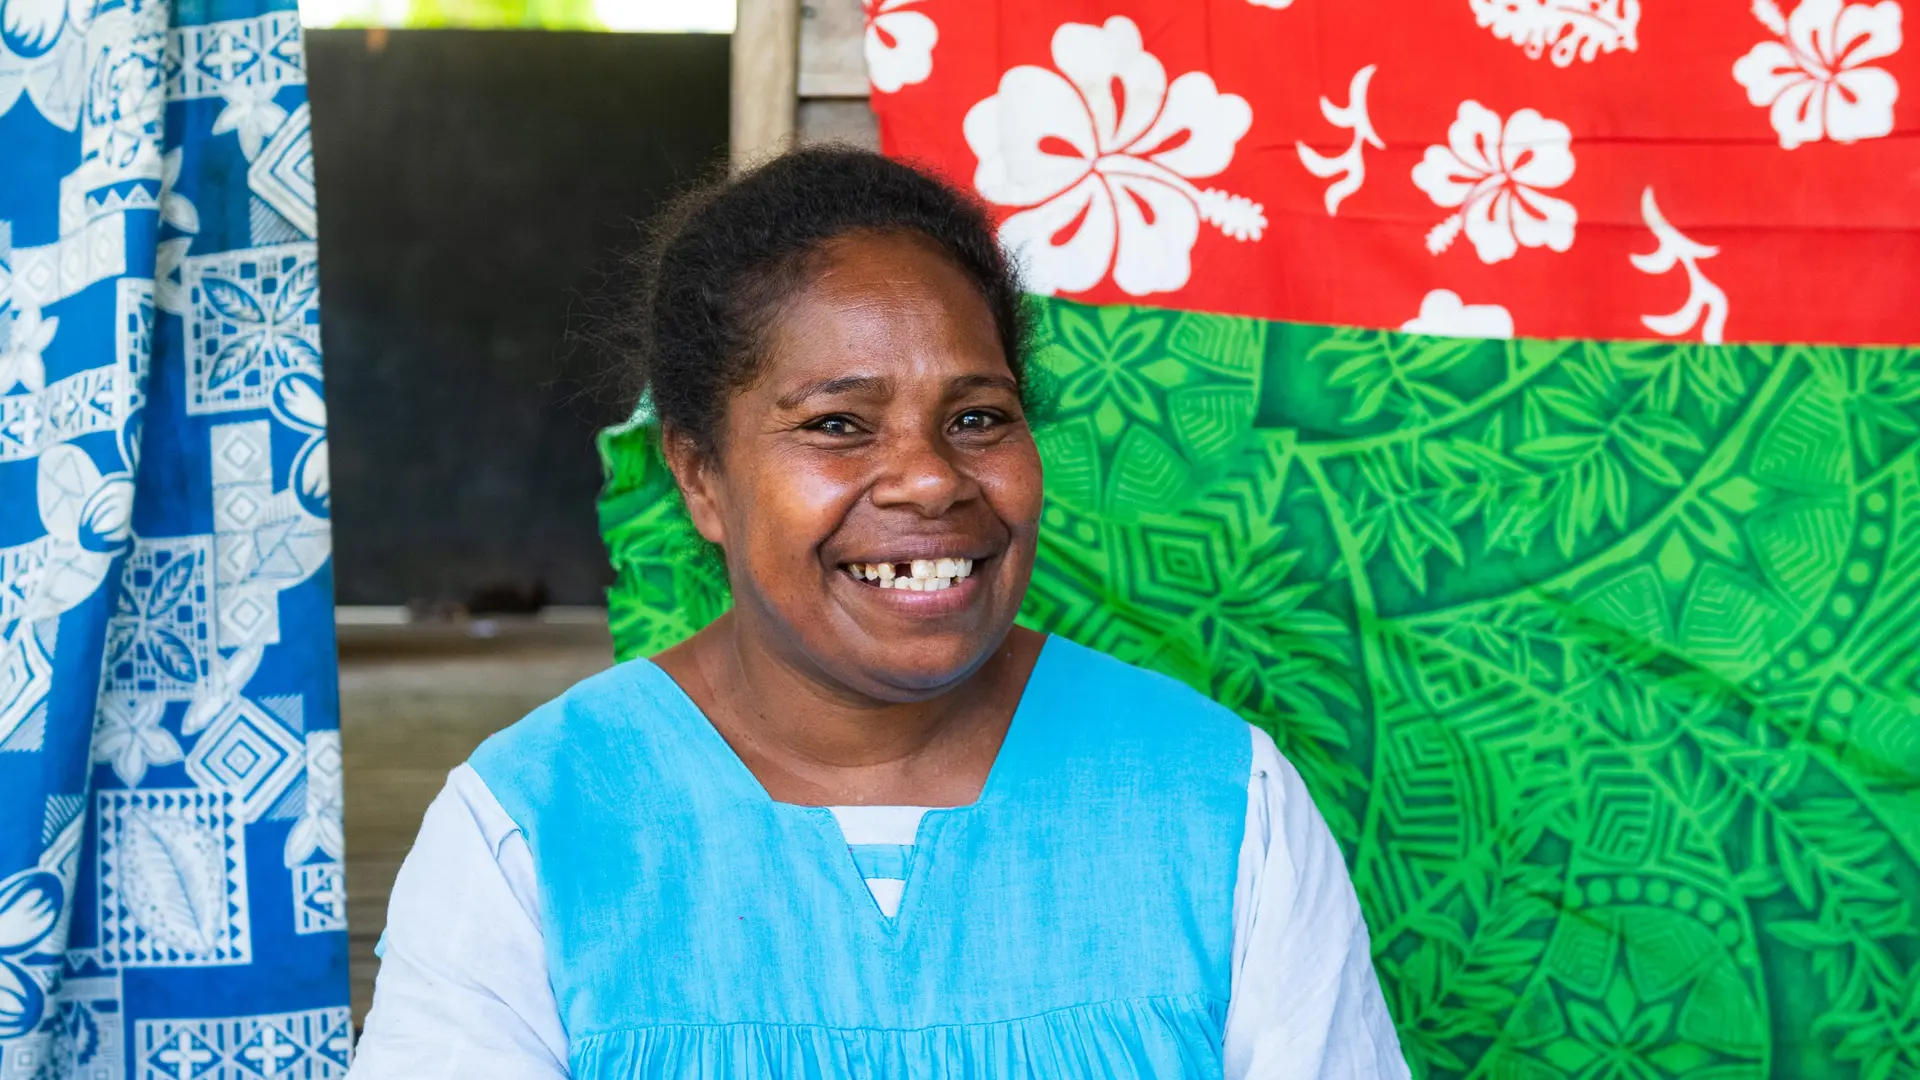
pixel 729 254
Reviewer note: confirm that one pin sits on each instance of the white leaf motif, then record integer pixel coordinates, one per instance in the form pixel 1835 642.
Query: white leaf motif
pixel 1703 296
pixel 319 827
pixel 1349 165
pixel 226 678
pixel 106 519
pixel 1568 28
pixel 176 209
pixel 173 880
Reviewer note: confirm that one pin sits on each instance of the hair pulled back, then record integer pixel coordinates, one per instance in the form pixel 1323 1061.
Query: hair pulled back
pixel 730 254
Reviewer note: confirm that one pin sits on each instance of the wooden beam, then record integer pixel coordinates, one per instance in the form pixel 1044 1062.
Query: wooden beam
pixel 833 62
pixel 766 78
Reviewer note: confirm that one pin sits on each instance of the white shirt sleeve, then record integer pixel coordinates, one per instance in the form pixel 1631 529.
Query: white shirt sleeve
pixel 1305 1002
pixel 462 992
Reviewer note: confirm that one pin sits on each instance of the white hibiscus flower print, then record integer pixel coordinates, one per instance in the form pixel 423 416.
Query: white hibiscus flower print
pixel 1101 155
pixel 1816 80
pixel 1496 173
pixel 899 44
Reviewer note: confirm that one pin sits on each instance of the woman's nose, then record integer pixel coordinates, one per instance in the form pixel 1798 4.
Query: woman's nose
pixel 923 474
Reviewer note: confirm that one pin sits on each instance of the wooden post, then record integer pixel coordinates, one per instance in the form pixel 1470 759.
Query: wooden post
pixel 766 78
pixel 798 76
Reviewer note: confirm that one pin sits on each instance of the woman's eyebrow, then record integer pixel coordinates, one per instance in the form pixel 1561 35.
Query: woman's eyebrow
pixel 982 382
pixel 875 385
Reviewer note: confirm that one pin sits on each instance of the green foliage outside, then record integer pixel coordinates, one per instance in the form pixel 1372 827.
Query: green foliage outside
pixel 480 15
pixel 1601 658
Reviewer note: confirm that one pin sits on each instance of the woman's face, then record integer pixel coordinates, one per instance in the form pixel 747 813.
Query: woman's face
pixel 876 488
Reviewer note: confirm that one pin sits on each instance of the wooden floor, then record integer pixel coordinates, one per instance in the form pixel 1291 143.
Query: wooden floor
pixel 414 702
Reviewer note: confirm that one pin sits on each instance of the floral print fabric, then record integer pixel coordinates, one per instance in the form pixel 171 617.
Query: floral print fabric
pixel 171 881
pixel 1502 150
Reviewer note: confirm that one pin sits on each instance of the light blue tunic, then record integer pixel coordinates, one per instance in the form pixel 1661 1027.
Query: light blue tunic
pixel 1077 920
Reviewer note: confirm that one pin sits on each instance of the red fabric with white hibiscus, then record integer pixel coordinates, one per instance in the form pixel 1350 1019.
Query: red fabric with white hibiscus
pixel 1695 169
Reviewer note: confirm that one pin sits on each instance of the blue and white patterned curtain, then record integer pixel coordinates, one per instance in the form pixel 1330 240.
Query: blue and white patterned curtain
pixel 171 885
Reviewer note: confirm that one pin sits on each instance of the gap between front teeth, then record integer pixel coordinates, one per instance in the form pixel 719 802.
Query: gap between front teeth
pixel 924 575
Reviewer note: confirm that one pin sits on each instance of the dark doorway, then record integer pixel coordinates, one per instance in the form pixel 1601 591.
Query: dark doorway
pixel 470 184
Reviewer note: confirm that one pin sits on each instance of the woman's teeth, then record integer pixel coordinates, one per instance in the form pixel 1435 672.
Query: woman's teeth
pixel 919 575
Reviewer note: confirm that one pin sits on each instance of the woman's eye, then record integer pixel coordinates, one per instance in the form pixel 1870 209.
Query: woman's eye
pixel 977 420
pixel 834 425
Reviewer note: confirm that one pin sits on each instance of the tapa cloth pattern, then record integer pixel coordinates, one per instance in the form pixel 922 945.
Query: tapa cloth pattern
pixel 1424 389
pixel 171 883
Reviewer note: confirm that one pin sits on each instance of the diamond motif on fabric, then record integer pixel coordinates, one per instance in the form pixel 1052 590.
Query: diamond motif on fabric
pixel 184 1056
pixel 283 173
pixel 248 753
pixel 264 541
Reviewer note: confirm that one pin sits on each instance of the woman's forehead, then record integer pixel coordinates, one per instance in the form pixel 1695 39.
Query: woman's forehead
pixel 866 265
pixel 893 307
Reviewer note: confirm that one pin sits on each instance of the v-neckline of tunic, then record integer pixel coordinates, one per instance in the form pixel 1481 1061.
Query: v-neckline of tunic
pixel 738 777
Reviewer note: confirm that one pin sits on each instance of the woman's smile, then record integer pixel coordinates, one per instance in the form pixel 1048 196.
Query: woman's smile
pixel 915 575
pixel 915 588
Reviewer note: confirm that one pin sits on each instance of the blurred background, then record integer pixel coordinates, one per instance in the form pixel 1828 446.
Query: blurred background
pixel 483 164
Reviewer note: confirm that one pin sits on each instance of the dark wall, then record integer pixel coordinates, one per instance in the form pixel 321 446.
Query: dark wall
pixel 471 183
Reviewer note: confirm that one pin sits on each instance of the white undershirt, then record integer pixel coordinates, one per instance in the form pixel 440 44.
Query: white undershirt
pixel 881 826
pixel 463 992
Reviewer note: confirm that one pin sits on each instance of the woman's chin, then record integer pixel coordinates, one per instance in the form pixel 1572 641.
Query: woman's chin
pixel 891 662
pixel 902 683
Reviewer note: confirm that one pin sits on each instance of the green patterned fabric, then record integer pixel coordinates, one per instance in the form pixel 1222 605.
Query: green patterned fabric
pixel 1601 658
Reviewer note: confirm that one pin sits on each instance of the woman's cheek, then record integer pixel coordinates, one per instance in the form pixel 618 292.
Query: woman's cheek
pixel 1015 487
pixel 812 498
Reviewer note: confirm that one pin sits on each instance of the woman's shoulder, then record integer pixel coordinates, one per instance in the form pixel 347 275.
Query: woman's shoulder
pixel 1103 677
pixel 1124 699
pixel 619 712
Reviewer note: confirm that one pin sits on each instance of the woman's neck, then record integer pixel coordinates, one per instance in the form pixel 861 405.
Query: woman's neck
pixel 811 742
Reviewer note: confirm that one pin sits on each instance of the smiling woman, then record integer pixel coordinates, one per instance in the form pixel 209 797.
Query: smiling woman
pixel 862 824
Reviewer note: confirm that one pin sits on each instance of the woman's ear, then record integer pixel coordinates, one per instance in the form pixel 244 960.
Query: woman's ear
pixel 700 483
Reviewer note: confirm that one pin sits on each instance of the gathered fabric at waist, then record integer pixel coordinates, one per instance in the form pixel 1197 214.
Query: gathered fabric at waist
pixel 1155 1038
